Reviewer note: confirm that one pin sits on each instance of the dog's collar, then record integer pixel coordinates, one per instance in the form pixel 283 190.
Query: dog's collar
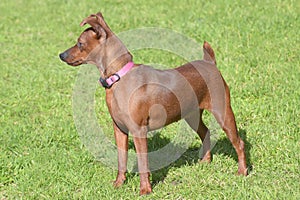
pixel 108 82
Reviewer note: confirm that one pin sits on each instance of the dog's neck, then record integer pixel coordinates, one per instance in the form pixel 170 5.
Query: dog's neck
pixel 116 65
pixel 112 56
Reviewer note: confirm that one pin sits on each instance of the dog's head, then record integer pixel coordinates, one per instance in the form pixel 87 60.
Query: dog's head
pixel 96 44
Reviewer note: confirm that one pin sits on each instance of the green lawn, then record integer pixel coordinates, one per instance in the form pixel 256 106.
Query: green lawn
pixel 257 49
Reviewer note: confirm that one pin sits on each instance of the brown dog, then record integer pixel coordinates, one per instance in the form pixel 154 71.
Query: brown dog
pixel 140 98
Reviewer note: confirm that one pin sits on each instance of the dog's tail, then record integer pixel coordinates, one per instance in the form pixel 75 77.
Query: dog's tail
pixel 208 53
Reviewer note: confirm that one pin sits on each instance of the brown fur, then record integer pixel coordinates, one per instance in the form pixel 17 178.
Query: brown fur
pixel 147 99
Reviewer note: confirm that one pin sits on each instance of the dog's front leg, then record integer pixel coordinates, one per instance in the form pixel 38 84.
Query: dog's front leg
pixel 122 145
pixel 141 147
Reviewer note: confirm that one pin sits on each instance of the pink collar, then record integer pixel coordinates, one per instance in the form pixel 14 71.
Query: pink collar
pixel 108 82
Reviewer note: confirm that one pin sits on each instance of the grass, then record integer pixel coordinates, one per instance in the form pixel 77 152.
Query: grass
pixel 257 49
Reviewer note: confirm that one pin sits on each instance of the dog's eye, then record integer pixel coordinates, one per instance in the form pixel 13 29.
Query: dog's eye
pixel 79 45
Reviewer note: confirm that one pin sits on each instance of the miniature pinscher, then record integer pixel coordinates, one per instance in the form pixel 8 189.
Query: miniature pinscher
pixel 141 98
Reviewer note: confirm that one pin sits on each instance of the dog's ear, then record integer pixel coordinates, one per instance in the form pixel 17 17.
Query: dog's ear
pixel 102 22
pixel 208 53
pixel 98 24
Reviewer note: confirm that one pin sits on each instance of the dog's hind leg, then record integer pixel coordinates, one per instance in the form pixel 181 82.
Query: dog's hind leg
pixel 196 123
pixel 226 119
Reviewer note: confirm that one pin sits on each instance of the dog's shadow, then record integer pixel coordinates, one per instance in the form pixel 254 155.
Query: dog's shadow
pixel 191 155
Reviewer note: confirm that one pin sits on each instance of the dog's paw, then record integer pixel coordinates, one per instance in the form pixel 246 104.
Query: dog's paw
pixel 145 190
pixel 118 183
pixel 243 172
pixel 206 158
pixel 119 180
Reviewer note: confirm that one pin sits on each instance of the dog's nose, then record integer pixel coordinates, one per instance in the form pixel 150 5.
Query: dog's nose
pixel 63 56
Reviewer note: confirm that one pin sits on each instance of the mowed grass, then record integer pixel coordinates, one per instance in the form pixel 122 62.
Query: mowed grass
pixel 257 49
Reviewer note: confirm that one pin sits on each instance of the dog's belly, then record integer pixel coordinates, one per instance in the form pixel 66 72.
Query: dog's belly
pixel 159 116
pixel 171 108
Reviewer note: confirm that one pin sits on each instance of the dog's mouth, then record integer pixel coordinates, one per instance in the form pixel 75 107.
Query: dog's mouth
pixel 75 63
pixel 69 59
